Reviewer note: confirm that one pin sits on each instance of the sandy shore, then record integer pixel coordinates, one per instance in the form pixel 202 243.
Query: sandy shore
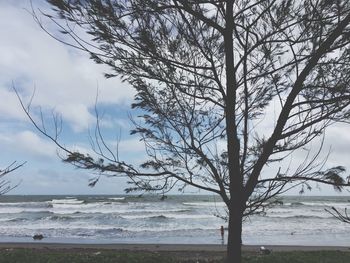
pixel 182 252
pixel 163 247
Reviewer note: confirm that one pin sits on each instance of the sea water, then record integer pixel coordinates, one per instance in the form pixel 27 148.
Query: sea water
pixel 178 219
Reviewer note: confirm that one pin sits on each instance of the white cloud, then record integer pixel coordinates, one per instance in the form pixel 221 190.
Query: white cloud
pixel 9 106
pixel 132 145
pixel 28 143
pixel 65 79
pixel 76 114
pixel 50 182
pixel 338 141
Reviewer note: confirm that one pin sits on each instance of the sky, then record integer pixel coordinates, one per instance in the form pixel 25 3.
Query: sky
pixel 67 81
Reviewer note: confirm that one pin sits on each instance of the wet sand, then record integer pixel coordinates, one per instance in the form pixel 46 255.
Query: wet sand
pixel 182 252
pixel 164 247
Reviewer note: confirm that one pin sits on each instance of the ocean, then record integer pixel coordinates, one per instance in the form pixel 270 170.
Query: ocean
pixel 179 219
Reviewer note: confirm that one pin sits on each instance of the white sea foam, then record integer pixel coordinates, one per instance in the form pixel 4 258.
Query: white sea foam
pixel 182 219
pixel 19 210
pixel 168 216
pixel 211 204
pixel 46 226
pixel 66 201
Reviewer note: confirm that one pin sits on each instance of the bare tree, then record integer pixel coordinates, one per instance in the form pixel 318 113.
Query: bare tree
pixel 344 217
pixel 5 185
pixel 207 74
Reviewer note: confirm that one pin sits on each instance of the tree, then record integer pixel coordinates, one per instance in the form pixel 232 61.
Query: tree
pixel 206 74
pixel 344 217
pixel 5 184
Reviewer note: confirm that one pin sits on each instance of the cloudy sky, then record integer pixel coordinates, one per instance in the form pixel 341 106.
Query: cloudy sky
pixel 66 81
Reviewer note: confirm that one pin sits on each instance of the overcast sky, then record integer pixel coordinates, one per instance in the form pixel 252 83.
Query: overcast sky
pixel 65 80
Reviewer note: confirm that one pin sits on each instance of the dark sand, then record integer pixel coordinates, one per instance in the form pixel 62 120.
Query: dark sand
pixel 184 251
pixel 163 247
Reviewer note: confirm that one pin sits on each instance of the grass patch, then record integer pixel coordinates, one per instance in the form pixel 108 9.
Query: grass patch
pixel 110 256
pixel 64 256
pixel 300 257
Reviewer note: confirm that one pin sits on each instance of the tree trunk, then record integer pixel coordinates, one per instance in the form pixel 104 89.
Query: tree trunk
pixel 234 241
pixel 233 145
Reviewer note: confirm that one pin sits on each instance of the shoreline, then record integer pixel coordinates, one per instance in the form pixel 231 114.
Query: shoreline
pixel 163 247
pixel 35 252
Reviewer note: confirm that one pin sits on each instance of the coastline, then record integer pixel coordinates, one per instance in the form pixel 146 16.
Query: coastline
pixel 164 247
pixel 35 252
pixel 176 220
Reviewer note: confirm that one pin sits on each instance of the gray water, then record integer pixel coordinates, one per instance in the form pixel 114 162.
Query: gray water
pixel 300 220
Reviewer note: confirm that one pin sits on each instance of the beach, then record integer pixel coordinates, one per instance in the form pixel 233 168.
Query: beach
pixel 59 252
pixel 165 247
pixel 93 229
